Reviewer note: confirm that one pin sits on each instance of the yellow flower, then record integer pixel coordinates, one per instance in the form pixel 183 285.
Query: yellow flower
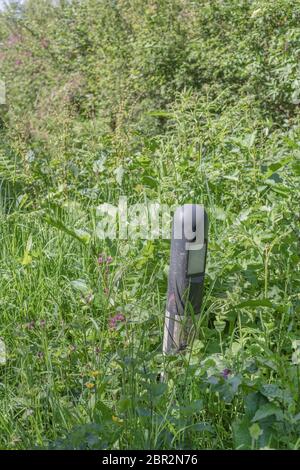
pixel 94 373
pixel 117 420
pixel 89 385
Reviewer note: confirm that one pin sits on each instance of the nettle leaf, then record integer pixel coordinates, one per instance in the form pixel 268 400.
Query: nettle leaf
pixel 235 382
pixel 269 409
pixel 156 390
pixel 213 380
pixel 202 427
pixel 273 391
pixel 241 435
pixel 253 401
pixel 229 389
pixel 191 409
pixel 244 432
pixel 106 412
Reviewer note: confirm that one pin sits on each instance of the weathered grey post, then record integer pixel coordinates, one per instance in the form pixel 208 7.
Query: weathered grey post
pixel 186 274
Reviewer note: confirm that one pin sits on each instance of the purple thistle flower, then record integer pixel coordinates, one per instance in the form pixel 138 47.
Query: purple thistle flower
pixel 109 260
pixel 100 259
pixel 120 317
pixel 43 323
pixel 114 320
pixel 225 373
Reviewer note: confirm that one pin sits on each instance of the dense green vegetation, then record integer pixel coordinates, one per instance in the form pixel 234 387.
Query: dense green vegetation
pixel 172 101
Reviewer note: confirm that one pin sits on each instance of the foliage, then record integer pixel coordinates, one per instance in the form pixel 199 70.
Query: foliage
pixel 169 101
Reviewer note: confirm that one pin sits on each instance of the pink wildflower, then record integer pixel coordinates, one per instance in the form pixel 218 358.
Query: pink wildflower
pixel 100 259
pixel 113 321
pixel 225 373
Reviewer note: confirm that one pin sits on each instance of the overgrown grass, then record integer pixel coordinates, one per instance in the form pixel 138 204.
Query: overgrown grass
pixel 70 380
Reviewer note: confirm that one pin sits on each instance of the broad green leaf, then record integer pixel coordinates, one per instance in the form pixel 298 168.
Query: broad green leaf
pixel 274 391
pixel 202 427
pixel 156 390
pixel 253 401
pixel 267 410
pixel 241 435
pixel 191 409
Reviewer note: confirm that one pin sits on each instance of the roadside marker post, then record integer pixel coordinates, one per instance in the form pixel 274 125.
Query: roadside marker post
pixel 186 275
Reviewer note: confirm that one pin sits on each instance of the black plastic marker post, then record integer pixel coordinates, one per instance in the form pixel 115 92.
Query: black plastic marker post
pixel 186 274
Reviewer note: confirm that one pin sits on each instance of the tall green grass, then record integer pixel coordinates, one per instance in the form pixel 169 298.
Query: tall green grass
pixel 165 102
